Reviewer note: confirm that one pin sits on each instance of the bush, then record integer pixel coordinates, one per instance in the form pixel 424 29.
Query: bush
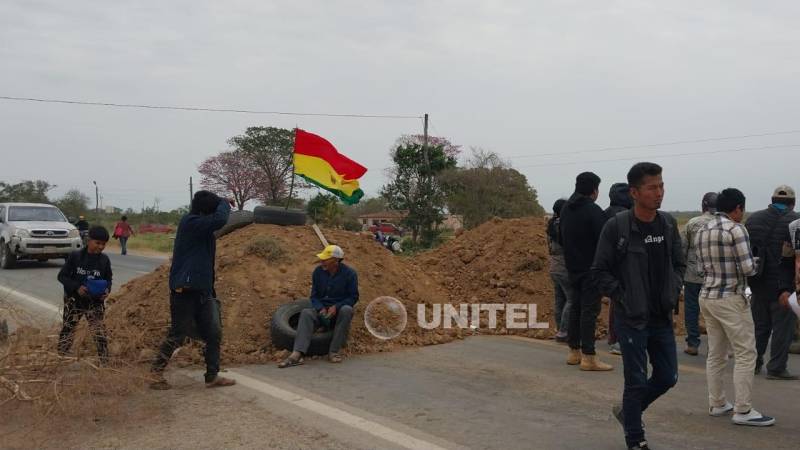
pixel 266 247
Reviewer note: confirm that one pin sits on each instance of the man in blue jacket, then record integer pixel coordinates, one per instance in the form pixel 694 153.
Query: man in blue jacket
pixel 192 299
pixel 334 293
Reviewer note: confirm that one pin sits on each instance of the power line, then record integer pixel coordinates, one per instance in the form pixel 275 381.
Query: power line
pixel 746 149
pixel 660 144
pixel 203 109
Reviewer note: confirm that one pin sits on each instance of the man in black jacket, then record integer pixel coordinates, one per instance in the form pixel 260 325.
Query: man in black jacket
pixel 192 300
pixel 769 236
pixel 620 198
pixel 581 223
pixel 86 277
pixel 639 265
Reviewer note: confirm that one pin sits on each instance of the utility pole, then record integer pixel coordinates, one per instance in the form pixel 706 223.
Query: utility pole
pixel 425 143
pixel 191 192
pixel 96 197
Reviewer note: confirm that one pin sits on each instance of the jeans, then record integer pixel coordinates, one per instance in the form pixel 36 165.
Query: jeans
pixel 771 318
pixel 94 310
pixel 190 309
pixel 310 321
pixel 123 242
pixel 691 313
pixel 564 296
pixel 657 344
pixel 583 313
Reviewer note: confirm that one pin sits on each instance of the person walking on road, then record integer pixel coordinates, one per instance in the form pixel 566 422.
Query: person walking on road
pixel 771 288
pixel 620 197
pixel 334 293
pixel 193 301
pixel 86 276
pixel 581 223
pixel 123 231
pixel 693 280
pixel 725 258
pixel 639 265
pixel 558 273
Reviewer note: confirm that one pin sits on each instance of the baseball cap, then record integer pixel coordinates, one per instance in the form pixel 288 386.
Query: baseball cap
pixel 331 251
pixel 783 191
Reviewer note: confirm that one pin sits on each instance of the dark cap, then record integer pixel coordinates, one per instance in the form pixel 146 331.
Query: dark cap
pixel 710 201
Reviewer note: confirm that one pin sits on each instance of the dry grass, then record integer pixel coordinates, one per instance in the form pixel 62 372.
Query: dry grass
pixel 266 247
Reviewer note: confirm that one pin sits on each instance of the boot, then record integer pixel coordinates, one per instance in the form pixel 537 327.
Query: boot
pixel 574 357
pixel 591 363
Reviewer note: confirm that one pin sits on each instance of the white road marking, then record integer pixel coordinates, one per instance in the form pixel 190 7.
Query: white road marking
pixel 6 292
pixel 341 416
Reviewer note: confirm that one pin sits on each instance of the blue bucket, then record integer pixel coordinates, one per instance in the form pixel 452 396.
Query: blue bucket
pixel 96 287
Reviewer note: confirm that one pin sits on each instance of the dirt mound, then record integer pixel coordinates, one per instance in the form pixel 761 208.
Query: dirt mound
pixel 252 288
pixel 501 261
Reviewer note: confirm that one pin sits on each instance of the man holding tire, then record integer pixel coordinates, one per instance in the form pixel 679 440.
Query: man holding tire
pixel 334 293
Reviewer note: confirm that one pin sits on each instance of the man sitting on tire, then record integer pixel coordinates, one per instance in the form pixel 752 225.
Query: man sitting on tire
pixel 334 292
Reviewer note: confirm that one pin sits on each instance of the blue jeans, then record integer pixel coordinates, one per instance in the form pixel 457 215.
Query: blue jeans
pixel 563 300
pixel 657 343
pixel 691 313
pixel 123 242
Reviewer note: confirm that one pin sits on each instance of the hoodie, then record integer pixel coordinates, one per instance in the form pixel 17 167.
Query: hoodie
pixel 620 196
pixel 581 223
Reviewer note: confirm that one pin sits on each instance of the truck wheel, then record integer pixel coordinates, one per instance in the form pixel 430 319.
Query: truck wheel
pixel 283 329
pixel 7 259
pixel 279 216
pixel 237 219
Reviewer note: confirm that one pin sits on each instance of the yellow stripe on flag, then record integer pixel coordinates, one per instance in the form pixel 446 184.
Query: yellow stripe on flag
pixel 320 171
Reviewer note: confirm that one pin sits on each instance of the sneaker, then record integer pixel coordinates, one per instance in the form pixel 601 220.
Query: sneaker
pixel 561 337
pixel 640 446
pixel 616 410
pixel 719 411
pixel 785 375
pixel 159 383
pixel 614 349
pixel 753 418
pixel 689 350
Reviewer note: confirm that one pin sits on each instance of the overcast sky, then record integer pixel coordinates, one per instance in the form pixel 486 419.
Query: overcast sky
pixel 519 78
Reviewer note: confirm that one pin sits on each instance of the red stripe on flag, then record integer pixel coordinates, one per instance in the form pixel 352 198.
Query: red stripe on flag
pixel 310 144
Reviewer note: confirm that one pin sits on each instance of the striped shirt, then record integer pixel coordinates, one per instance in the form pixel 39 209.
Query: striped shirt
pixel 724 256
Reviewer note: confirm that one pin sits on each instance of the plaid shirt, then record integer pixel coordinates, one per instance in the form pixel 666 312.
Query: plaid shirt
pixel 724 256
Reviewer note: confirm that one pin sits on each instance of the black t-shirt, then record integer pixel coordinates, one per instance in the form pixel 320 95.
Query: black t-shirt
pixel 654 243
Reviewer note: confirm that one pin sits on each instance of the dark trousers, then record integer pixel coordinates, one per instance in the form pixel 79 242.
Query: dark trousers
pixel 193 312
pixel 691 313
pixel 583 313
pixel 563 300
pixel 94 311
pixel 770 318
pixel 657 344
pixel 123 243
pixel 310 321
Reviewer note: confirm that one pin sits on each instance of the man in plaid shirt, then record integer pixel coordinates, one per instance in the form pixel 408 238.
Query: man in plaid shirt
pixel 725 257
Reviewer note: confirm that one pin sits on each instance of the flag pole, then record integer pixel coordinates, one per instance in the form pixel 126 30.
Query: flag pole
pixel 291 185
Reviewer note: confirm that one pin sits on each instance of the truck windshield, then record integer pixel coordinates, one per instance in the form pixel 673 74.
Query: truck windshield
pixel 35 214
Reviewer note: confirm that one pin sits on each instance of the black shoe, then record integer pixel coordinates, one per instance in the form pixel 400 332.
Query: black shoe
pixel 616 411
pixel 759 365
pixel 785 375
pixel 640 446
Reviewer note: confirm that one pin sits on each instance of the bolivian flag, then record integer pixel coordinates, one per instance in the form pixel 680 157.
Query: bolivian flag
pixel 318 162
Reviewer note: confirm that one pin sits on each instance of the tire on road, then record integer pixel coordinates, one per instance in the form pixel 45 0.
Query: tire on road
pixel 237 219
pixel 7 259
pixel 283 329
pixel 279 216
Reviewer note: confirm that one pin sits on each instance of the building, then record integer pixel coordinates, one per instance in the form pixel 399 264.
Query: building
pixel 451 221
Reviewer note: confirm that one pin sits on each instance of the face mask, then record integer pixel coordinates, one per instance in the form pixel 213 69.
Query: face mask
pixel 780 206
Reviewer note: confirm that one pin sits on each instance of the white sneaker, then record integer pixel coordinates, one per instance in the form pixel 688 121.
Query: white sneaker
pixel 753 418
pixel 719 411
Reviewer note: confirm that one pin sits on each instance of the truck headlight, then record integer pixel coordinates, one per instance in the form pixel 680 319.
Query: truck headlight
pixel 19 232
pixel 74 233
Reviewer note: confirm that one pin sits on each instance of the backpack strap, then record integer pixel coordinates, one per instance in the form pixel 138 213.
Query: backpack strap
pixel 623 222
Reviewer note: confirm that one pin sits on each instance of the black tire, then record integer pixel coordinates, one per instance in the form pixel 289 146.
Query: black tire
pixel 237 219
pixel 283 329
pixel 279 216
pixel 7 259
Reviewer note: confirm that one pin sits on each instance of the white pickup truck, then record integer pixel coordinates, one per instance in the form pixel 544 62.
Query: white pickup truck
pixel 34 231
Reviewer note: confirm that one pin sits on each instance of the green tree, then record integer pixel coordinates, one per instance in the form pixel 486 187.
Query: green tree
pixel 271 149
pixel 488 187
pixel 73 203
pixel 415 187
pixel 28 191
pixel 326 209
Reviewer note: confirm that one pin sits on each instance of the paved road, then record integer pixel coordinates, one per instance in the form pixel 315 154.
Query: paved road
pixel 33 286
